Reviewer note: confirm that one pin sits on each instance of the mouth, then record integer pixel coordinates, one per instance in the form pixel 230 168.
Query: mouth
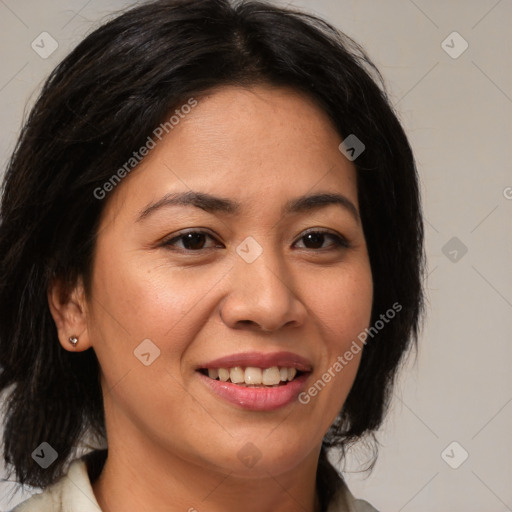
pixel 254 377
pixel 256 381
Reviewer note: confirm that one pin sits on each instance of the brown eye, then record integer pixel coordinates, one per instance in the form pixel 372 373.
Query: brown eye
pixel 190 241
pixel 315 240
pixel 193 241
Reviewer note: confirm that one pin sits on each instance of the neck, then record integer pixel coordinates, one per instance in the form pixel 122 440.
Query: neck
pixel 129 482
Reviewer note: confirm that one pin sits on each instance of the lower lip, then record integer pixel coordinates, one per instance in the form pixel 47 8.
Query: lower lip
pixel 257 399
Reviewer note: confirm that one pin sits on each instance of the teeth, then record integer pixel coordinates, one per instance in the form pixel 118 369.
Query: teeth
pixel 271 376
pixel 236 375
pixel 252 376
pixel 223 374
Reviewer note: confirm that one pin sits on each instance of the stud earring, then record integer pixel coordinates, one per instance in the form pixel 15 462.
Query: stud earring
pixel 73 340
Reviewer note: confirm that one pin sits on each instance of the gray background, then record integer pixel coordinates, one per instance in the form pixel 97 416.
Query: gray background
pixel 457 112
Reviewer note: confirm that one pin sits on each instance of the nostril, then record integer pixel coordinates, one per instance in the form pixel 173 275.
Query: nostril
pixel 247 322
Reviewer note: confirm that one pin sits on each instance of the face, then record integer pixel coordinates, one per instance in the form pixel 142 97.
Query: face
pixel 260 284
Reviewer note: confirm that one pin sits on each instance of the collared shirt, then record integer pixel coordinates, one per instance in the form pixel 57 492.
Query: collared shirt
pixel 73 493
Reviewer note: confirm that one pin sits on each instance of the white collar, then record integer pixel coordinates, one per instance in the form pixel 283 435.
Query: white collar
pixel 72 493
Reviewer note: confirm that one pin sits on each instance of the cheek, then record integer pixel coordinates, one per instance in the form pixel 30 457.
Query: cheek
pixel 142 298
pixel 343 310
pixel 344 305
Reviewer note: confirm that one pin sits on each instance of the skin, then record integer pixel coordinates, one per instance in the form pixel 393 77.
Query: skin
pixel 173 444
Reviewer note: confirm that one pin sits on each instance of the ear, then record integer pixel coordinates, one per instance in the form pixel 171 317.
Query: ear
pixel 69 312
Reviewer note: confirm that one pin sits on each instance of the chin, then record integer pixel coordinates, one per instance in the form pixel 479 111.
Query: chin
pixel 255 457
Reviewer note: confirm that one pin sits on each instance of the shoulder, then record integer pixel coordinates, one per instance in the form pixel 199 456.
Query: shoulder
pixel 363 506
pixel 72 493
pixel 344 501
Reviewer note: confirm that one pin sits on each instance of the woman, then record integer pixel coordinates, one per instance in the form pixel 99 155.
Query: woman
pixel 212 252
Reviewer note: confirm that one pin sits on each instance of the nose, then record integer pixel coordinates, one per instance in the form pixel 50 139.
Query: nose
pixel 262 295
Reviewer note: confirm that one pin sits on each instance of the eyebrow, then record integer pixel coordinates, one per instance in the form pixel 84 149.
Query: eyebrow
pixel 214 204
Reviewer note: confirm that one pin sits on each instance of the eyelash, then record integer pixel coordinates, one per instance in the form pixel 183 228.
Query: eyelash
pixel 340 242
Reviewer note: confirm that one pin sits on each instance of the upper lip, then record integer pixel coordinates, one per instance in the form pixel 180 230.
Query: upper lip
pixel 260 360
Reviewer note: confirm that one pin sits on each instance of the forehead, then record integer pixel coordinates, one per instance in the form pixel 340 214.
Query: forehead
pixel 252 144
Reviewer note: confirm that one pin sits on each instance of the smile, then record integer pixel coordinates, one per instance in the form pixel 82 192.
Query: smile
pixel 252 376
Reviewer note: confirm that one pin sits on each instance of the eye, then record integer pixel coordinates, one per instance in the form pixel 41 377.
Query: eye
pixel 194 241
pixel 191 241
pixel 317 238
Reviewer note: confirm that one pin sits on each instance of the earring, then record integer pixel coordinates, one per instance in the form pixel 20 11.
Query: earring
pixel 73 340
